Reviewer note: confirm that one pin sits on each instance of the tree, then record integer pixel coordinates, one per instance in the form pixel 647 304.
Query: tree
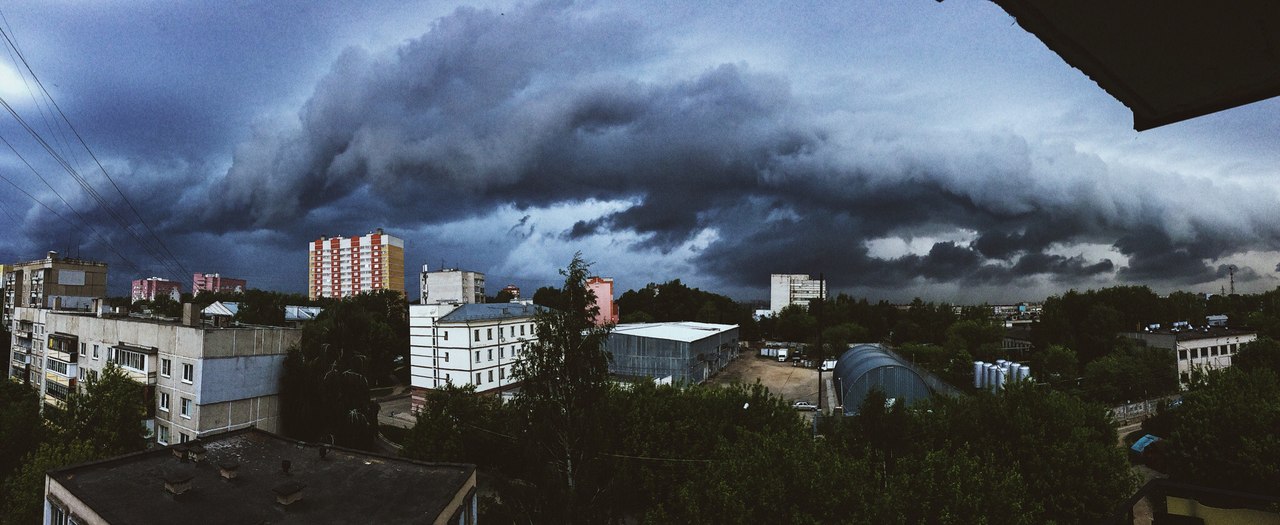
pixel 456 425
pixel 1261 353
pixel 107 413
pixel 1058 363
pixel 24 491
pixel 1224 434
pixel 564 377
pixel 21 428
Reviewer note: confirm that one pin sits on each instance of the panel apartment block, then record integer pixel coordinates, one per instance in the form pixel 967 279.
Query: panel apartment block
pixel 345 266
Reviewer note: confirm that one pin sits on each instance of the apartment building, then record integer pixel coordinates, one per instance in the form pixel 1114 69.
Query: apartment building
pixel 214 283
pixel 793 290
pixel 198 379
pixel 451 285
pixel 345 266
pixel 150 288
pixel 467 344
pixel 53 281
pixel 1202 349
pixel 602 287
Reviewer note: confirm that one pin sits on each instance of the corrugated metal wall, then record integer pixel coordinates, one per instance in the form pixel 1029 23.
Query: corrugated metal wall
pixel 636 356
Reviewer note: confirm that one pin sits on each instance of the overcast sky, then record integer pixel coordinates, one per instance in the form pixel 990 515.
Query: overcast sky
pixel 908 148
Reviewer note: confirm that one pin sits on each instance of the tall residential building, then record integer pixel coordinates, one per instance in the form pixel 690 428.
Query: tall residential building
pixel 451 285
pixel 197 379
pixel 467 344
pixel 214 283
pixel 603 289
pixel 150 288
pixel 54 281
pixel 345 266
pixel 793 290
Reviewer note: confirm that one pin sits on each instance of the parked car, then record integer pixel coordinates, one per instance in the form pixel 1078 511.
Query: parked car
pixel 804 405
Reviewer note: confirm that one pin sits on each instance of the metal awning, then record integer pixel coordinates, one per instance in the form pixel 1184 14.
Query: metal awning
pixel 149 350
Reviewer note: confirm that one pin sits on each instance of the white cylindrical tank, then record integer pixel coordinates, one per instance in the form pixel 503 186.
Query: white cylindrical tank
pixel 978 373
pixel 1024 373
pixel 999 381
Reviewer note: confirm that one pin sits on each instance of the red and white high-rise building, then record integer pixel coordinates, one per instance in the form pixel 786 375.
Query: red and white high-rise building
pixel 150 288
pixel 345 266
pixel 212 282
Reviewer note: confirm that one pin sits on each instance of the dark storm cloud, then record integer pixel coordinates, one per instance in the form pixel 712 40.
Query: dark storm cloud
pixel 543 105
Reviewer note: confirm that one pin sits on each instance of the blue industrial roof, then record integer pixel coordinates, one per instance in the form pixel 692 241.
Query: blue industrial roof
pixel 1143 442
pixel 491 311
pixel 867 366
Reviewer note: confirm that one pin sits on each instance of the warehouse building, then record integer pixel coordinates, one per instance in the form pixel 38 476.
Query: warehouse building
pixel 866 367
pixel 678 352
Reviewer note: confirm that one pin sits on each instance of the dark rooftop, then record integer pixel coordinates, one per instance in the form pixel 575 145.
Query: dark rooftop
pixel 1198 332
pixel 491 311
pixel 344 486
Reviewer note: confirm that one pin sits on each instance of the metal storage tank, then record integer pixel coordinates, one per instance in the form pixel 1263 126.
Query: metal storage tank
pixel 979 371
pixel 1024 373
pixel 868 366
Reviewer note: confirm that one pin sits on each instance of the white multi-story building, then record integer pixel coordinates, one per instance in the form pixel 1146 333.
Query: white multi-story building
pixel 197 379
pixel 467 344
pixel 451 285
pixel 793 289
pixel 1197 349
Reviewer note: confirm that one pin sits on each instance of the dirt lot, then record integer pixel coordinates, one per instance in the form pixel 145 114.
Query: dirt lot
pixel 791 382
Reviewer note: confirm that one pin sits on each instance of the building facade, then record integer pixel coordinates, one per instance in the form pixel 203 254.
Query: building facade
pixel 345 266
pixel 253 476
pixel 602 287
pixel 451 285
pixel 467 344
pixel 793 290
pixel 1197 350
pixel 679 352
pixel 198 379
pixel 150 288
pixel 54 281
pixel 214 283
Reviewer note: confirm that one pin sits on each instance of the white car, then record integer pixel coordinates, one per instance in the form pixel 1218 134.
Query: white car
pixel 804 405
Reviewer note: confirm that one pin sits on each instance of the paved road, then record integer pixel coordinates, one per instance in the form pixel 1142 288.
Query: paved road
pixel 395 412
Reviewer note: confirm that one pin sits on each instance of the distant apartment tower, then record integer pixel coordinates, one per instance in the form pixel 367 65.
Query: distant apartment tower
pixel 345 266
pixel 467 344
pixel 603 289
pixel 214 283
pixel 150 288
pixel 793 290
pixel 451 285
pixel 197 379
pixel 63 282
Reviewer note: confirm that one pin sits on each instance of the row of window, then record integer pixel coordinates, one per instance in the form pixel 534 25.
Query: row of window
pixel 502 374
pixel 503 331
pixel 1212 351
pixel 185 407
pixel 162 435
pixel 502 353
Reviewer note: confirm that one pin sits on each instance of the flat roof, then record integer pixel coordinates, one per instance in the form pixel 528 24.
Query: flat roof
pixel 1199 333
pixel 684 331
pixel 346 486
pixel 490 311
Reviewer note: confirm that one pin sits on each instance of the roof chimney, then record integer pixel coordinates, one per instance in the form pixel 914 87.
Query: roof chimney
pixel 180 452
pixel 196 453
pixel 178 483
pixel 190 317
pixel 288 493
pixel 228 469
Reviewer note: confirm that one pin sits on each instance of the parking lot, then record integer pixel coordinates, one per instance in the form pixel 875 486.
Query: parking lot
pixel 792 383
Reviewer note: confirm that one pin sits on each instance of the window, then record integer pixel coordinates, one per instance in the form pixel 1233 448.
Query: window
pixel 1182 355
pixel 502 373
pixel 446 356
pixel 1185 377
pixel 186 408
pixel 477 356
pixel 521 329
pixel 491 376
pixel 477 378
pixel 95 351
pixel 130 359
pixel 56 366
pixel 162 434
pixel 166 367
pixel 489 332
pixel 183 438
pixel 446 334
pixel 188 372
pixel 57 516
pixel 501 352
pixel 477 334
pixel 1215 352
pixel 164 402
pixel 491 354
pixel 1195 352
pixel 82 349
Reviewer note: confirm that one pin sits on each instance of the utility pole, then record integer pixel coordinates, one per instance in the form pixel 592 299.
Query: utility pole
pixel 822 350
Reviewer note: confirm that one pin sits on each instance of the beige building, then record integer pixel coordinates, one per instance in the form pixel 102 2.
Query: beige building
pixel 1197 350
pixel 345 266
pixel 61 282
pixel 198 379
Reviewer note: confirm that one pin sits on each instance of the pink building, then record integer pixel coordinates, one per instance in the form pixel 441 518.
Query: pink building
pixel 212 282
pixel 148 289
pixel 603 288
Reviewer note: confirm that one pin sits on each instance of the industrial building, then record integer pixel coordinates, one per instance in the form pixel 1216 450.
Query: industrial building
pixel 678 352
pixel 793 290
pixel 253 476
pixel 1196 349
pixel 61 282
pixel 602 287
pixel 197 379
pixel 467 344
pixel 451 285
pixel 150 288
pixel 345 266
pixel 215 283
pixel 865 367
